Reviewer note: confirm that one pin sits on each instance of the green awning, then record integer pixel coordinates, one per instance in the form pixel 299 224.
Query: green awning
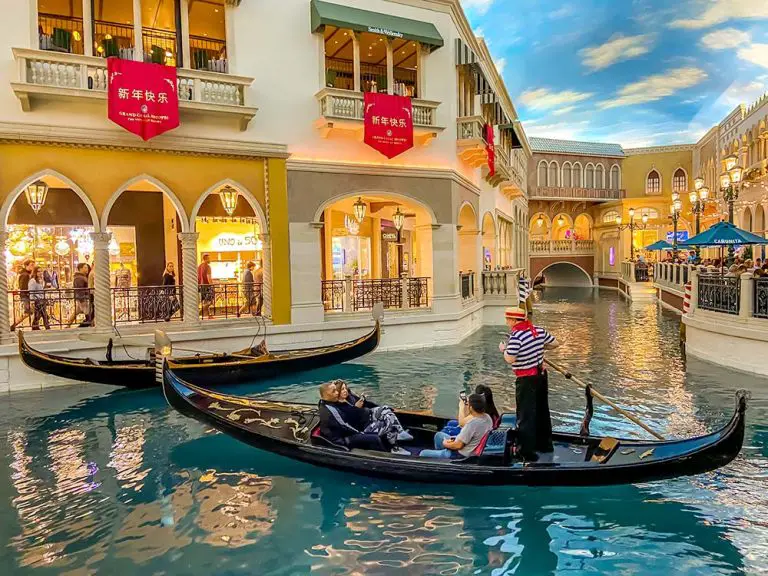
pixel 325 13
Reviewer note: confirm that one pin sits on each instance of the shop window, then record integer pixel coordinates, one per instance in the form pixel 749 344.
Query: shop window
pixel 113 29
pixel 653 183
pixel 339 64
pixel 373 62
pixel 405 67
pixel 159 19
pixel 207 36
pixel 60 26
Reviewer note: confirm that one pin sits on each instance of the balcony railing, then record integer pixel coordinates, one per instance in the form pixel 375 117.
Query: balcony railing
pixel 470 140
pixel 500 283
pixel 53 308
pixel 140 304
pixel 674 275
pixel 719 293
pixel 559 193
pixel 60 33
pixel 394 293
pixel 467 283
pixel 230 300
pixel 561 247
pixel 44 74
pixel 761 298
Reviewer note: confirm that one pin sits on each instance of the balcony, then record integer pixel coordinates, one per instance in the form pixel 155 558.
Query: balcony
pixel 45 75
pixel 588 194
pixel 509 180
pixel 562 247
pixel 342 110
pixel 470 140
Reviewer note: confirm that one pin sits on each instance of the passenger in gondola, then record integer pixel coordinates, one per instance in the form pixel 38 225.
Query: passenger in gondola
pixel 345 424
pixel 380 416
pixel 524 350
pixel 470 436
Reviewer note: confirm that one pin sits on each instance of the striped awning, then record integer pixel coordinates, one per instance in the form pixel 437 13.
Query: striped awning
pixel 465 56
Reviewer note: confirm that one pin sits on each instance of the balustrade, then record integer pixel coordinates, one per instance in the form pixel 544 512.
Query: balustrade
pixel 394 293
pixel 719 293
pixel 51 308
pixel 557 192
pixel 470 128
pixel 500 282
pixel 346 104
pixel 559 247
pixel 147 304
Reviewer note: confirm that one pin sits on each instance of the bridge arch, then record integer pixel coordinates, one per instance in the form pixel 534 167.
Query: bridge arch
pixel 564 270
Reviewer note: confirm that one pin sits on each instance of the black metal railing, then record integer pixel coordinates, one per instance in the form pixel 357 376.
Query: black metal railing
pixel 418 292
pixel 113 39
pixel 208 54
pixel 366 293
pixel 761 298
pixel 467 285
pixel 641 273
pixel 60 33
pixel 333 294
pixel 52 308
pixel 230 300
pixel 719 293
pixel 146 304
pixel 159 45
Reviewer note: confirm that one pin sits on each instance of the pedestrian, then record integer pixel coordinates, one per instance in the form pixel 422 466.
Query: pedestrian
pixel 205 284
pixel 258 285
pixel 91 291
pixel 169 288
pixel 37 297
pixel 82 299
pixel 524 350
pixel 26 306
pixel 248 289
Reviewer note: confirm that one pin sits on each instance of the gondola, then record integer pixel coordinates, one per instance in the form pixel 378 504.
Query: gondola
pixel 247 365
pixel 292 430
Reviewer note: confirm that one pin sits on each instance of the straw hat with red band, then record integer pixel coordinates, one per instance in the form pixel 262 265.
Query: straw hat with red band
pixel 515 314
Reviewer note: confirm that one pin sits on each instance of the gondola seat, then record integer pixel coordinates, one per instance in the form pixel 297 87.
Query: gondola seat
pixel 319 439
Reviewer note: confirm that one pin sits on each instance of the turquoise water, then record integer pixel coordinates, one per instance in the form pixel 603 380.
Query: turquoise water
pixel 112 482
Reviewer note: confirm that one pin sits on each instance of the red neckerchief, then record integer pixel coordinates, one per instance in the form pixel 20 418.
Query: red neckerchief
pixel 525 325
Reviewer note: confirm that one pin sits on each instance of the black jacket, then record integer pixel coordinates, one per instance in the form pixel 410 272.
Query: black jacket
pixel 338 420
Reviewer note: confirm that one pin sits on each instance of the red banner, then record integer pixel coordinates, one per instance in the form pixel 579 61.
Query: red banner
pixel 142 98
pixel 388 122
pixel 490 149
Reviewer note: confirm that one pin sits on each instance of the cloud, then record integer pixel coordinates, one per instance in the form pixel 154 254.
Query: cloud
pixel 479 32
pixel 500 63
pixel 725 39
pixel 720 11
pixel 543 99
pixel 738 93
pixel 755 53
pixel 656 87
pixel 561 13
pixel 560 130
pixel 617 49
pixel 479 6
pixel 563 111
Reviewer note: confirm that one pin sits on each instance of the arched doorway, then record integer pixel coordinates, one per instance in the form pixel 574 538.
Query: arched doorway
pixel 490 259
pixel 746 219
pixel 539 227
pixel 562 227
pixel 467 239
pixel 582 227
pixel 49 221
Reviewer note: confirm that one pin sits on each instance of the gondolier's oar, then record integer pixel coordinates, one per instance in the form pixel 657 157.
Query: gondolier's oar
pixel 599 396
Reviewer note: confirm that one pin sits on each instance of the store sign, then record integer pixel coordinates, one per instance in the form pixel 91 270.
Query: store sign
pixel 490 149
pixel 389 236
pixel 228 242
pixel 388 123
pixel 682 236
pixel 384 32
pixel 141 97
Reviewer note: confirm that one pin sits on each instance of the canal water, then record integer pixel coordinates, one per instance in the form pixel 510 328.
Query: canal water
pixel 114 482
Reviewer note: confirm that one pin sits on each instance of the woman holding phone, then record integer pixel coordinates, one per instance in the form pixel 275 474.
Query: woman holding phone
pixel 381 417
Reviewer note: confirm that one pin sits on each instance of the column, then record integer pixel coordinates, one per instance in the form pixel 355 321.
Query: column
pixel 229 26
pixel 87 27
pixel 390 68
pixel 746 306
pixel 280 235
pixel 138 42
pixel 356 60
pixel 421 73
pixel 445 266
pixel 266 287
pixel 190 290
pixel 5 316
pixel 186 52
pixel 102 295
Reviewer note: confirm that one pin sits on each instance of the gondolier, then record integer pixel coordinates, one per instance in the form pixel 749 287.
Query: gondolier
pixel 524 350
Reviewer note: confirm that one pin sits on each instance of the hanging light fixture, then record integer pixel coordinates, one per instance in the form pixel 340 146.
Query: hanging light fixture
pixel 360 209
pixel 36 194
pixel 114 247
pixel 351 225
pixel 560 221
pixel 398 219
pixel 540 221
pixel 62 246
pixel 228 197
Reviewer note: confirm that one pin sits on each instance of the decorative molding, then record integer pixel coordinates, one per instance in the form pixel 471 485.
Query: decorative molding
pixel 659 149
pixel 119 140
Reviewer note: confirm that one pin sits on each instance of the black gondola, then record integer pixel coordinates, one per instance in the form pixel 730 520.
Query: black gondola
pixel 207 369
pixel 292 430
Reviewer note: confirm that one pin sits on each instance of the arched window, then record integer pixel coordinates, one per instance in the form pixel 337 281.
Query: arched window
pixel 589 176
pixel 615 177
pixel 610 217
pixel 566 175
pixel 653 183
pixel 600 177
pixel 576 172
pixel 553 169
pixel 680 181
pixel 541 176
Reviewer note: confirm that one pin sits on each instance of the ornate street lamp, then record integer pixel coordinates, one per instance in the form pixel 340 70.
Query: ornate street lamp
pixel 730 186
pixel 359 208
pixel 674 214
pixel 228 197
pixel 398 219
pixel 698 182
pixel 699 199
pixel 632 227
pixel 36 194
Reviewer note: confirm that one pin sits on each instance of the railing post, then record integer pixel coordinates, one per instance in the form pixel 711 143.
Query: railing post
pixel 404 289
pixel 747 296
pixel 694 291
pixel 102 295
pixel 347 293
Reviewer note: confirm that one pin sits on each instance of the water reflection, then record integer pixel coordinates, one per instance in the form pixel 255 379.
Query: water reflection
pixel 118 484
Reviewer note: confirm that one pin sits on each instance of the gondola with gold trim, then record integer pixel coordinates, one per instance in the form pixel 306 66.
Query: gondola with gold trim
pixel 248 365
pixel 291 430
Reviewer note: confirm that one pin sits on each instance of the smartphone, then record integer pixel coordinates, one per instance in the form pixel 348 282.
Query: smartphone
pixel 463 396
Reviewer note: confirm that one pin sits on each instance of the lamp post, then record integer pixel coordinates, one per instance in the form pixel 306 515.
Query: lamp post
pixel 730 186
pixel 699 198
pixel 675 208
pixel 632 227
pixel 398 219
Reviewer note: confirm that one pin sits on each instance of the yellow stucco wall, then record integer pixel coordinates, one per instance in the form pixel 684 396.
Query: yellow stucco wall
pixel 278 230
pixel 636 168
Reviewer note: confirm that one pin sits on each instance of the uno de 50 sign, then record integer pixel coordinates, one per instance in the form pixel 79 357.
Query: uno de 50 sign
pixel 236 242
pixel 141 97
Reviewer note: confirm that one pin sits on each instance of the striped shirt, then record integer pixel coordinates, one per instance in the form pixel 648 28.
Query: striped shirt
pixel 523 289
pixel 527 349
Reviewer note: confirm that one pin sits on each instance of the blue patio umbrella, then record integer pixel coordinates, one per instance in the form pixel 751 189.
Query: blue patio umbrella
pixel 723 234
pixel 660 245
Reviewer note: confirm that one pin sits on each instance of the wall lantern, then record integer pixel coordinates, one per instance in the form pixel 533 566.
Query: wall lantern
pixel 540 221
pixel 731 161
pixel 560 221
pixel 698 183
pixel 228 197
pixel 359 208
pixel 398 219
pixel 36 194
pixel 351 225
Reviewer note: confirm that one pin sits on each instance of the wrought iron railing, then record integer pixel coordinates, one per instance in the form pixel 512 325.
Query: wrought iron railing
pixel 761 298
pixel 467 280
pixel 53 308
pixel 354 295
pixel 641 273
pixel 208 54
pixel 60 33
pixel 366 293
pixel 146 304
pixel 230 300
pixel 719 293
pixel 418 292
pixel 333 294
